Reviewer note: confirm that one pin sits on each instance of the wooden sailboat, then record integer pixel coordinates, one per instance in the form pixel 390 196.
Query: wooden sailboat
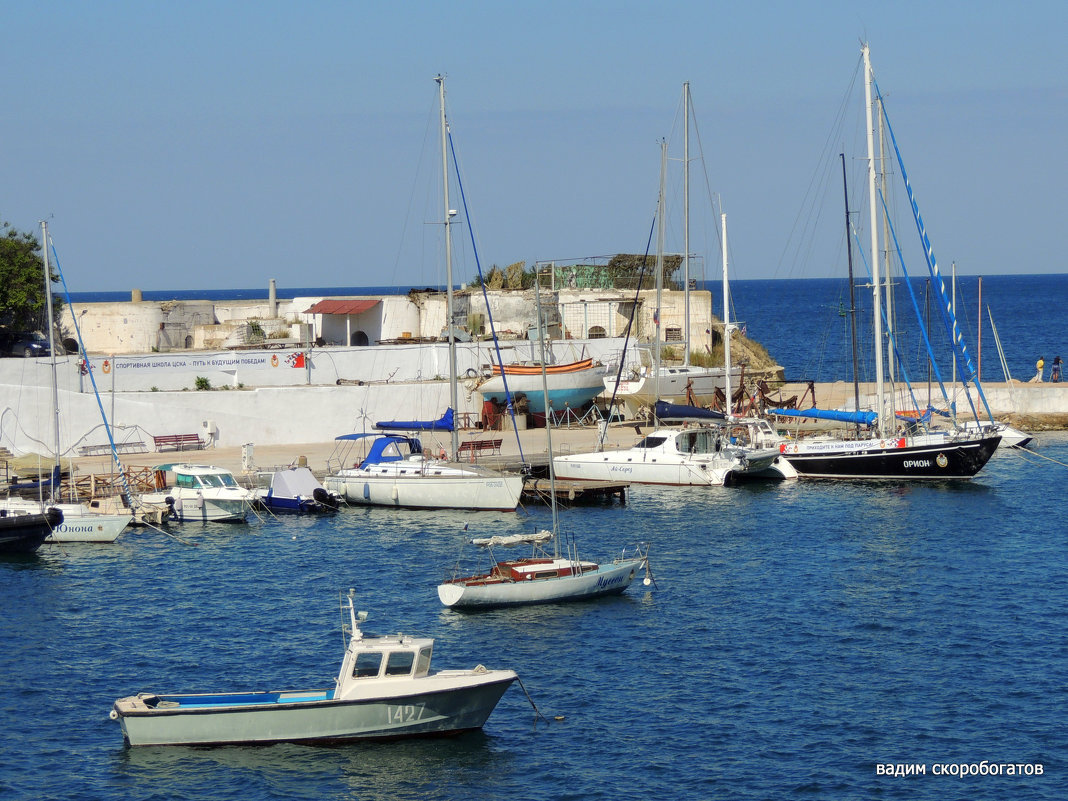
pixel 542 577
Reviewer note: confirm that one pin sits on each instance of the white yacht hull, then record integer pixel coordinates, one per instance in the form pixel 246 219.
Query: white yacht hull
pixel 80 524
pixel 671 385
pixel 195 506
pixel 427 487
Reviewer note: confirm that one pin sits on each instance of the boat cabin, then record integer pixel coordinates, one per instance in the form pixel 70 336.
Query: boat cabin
pixel 193 476
pixel 368 662
pixel 691 441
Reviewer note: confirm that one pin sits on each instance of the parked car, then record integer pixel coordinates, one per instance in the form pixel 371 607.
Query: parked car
pixel 30 343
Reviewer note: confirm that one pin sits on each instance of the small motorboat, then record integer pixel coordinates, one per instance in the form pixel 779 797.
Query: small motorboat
pixel 385 690
pixel 200 493
pixel 293 490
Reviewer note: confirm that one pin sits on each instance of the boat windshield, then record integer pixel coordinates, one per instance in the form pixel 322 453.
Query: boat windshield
pixel 211 480
pixel 400 663
pixel 367 664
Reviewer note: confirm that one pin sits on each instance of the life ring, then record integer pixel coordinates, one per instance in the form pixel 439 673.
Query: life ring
pixel 471 372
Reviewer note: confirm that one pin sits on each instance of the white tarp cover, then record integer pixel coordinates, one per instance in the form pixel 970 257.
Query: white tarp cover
pixel 513 539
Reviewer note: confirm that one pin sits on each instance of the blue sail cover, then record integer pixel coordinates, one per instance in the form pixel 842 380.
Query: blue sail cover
pixel 863 418
pixel 676 411
pixel 444 423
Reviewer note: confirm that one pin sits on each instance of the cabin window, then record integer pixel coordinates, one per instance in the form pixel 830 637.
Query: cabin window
pixel 422 665
pixel 211 481
pixel 184 481
pixel 400 663
pixel 367 664
pixel 651 442
pixel 227 480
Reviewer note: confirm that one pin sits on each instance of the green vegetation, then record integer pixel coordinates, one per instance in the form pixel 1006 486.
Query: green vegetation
pixel 22 292
pixel 202 383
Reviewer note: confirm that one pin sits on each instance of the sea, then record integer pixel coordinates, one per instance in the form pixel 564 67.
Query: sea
pixel 800 640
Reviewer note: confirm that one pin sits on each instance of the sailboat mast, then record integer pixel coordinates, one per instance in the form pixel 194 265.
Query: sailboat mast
pixel 52 355
pixel 548 420
pixel 728 403
pixel 852 295
pixel 686 220
pixel 659 267
pixel 453 394
pixel 889 287
pixel 877 313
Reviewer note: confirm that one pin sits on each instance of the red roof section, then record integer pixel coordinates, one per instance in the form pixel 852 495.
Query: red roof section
pixel 342 306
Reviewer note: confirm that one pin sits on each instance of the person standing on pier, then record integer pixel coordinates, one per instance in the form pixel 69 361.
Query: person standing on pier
pixel 1055 370
pixel 1038 374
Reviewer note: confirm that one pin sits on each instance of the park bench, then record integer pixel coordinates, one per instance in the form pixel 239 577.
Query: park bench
pixel 179 442
pixel 473 447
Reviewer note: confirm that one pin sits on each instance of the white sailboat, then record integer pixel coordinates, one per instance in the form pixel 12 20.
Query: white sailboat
pixel 81 522
pixel 640 386
pixel 542 577
pixel 889 450
pixel 398 471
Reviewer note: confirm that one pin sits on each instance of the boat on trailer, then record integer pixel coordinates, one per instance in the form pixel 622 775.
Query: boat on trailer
pixel 384 690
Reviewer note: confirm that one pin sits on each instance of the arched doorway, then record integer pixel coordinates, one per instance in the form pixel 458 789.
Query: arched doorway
pixel 359 339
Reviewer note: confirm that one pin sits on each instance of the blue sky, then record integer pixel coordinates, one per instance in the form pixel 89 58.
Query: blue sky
pixel 186 145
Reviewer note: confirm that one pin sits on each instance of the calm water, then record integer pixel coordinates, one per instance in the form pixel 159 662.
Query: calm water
pixel 800 634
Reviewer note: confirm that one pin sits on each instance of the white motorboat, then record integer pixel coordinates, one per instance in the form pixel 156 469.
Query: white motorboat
pixel 679 456
pixel 201 493
pixel 384 690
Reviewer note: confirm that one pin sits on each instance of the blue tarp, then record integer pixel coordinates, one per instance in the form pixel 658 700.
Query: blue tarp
pixel 864 418
pixel 445 423
pixel 676 411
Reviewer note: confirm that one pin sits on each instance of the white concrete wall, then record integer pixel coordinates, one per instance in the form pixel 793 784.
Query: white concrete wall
pixel 279 403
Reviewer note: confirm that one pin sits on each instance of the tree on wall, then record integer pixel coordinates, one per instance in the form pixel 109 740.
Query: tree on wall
pixel 22 295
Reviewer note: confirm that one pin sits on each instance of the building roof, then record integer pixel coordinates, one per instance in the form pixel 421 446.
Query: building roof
pixel 342 306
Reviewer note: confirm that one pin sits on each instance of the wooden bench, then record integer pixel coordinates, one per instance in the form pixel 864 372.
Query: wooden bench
pixel 179 442
pixel 104 447
pixel 473 447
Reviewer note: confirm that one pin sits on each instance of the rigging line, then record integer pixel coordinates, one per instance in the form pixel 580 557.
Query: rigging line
pixel 626 332
pixel 946 308
pixel 915 305
pixel 803 225
pixel 890 333
pixel 1036 453
pixel 129 500
pixel 485 294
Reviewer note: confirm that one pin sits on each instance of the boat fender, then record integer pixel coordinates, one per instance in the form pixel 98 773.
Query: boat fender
pixel 113 715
